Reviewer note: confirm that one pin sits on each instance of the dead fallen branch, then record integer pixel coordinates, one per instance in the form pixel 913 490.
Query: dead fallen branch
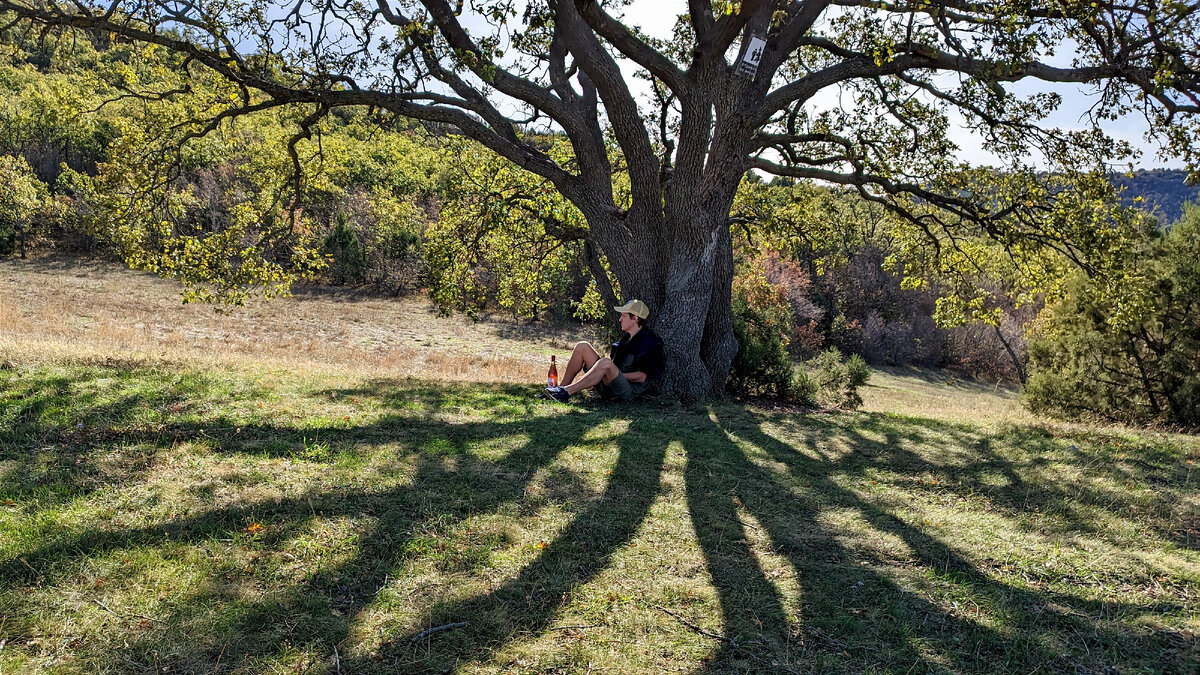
pixel 693 626
pixel 437 629
pixel 112 611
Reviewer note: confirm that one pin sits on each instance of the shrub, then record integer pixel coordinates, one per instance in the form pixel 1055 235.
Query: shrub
pixel 388 230
pixel 837 380
pixel 804 388
pixel 1126 349
pixel 761 321
pixel 348 263
pixel 21 202
pixel 857 372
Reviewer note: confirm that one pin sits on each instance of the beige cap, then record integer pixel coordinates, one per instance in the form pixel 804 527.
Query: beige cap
pixel 634 307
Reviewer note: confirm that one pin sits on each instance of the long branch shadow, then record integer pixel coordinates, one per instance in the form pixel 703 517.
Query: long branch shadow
pixel 450 483
pixel 527 603
pixel 857 617
pixel 857 610
pixel 752 610
pixel 1009 469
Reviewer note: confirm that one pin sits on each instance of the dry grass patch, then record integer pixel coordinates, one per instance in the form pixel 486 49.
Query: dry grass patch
pixel 58 309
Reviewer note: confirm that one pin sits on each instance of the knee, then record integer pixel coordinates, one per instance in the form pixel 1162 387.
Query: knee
pixel 582 347
pixel 605 364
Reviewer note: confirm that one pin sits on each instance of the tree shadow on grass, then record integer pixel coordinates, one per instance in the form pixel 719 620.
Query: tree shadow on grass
pixel 861 611
pixel 53 424
pixel 527 603
pixel 449 484
pixel 856 609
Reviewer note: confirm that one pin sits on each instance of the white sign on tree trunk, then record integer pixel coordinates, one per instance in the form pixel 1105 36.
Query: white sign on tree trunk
pixel 748 66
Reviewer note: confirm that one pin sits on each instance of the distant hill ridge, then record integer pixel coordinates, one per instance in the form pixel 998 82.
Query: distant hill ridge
pixel 1164 191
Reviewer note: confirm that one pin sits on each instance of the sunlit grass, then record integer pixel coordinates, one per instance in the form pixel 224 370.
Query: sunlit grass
pixel 224 515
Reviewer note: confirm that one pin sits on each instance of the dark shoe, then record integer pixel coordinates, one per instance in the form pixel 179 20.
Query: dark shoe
pixel 558 394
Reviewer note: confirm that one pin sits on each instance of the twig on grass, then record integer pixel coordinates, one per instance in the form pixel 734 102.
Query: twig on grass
pixel 820 634
pixel 217 665
pixel 437 629
pixel 337 660
pixel 733 644
pixel 741 522
pixel 594 625
pixel 110 610
pixel 693 626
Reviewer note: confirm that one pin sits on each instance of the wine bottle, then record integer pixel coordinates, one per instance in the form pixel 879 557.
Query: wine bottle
pixel 552 376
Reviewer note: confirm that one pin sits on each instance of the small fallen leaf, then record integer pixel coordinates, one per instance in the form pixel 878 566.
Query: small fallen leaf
pixel 254 528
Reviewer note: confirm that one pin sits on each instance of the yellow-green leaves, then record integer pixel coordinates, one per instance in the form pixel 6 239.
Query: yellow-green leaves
pixel 508 239
pixel 22 197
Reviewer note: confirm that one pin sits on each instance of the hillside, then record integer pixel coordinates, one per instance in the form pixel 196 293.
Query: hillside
pixel 1164 191
pixel 338 484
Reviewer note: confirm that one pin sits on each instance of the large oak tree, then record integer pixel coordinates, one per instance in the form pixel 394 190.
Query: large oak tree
pixel 862 93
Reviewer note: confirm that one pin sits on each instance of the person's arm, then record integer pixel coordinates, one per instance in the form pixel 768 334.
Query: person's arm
pixel 635 376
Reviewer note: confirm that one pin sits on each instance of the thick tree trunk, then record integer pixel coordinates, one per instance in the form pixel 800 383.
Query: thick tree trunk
pixel 686 283
pixel 682 320
pixel 673 249
pixel 719 346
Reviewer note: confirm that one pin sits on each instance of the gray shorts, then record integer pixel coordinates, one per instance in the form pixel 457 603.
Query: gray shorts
pixel 618 390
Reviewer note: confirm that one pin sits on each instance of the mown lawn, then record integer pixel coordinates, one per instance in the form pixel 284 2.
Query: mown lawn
pixel 175 518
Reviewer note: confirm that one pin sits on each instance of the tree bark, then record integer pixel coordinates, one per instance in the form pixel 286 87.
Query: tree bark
pixel 686 281
pixel 719 346
pixel 1012 354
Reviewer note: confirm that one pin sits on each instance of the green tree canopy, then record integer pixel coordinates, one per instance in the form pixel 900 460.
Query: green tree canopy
pixel 857 93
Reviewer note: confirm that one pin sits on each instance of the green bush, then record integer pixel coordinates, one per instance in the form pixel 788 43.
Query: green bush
pixel 1126 349
pixel 761 320
pixel 804 387
pixel 8 240
pixel 348 263
pixel 837 380
pixel 22 200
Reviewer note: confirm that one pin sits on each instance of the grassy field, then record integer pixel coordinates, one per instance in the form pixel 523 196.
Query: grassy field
pixel 313 485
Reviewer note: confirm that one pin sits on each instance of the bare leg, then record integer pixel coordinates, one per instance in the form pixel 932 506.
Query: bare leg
pixel 604 371
pixel 583 356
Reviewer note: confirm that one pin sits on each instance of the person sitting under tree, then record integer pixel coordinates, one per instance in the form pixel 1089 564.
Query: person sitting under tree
pixel 636 361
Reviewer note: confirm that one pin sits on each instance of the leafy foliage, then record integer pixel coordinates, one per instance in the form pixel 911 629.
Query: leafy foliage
pixel 506 238
pixel 838 379
pixel 761 324
pixel 1127 348
pixel 348 263
pixel 908 70
pixel 22 199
